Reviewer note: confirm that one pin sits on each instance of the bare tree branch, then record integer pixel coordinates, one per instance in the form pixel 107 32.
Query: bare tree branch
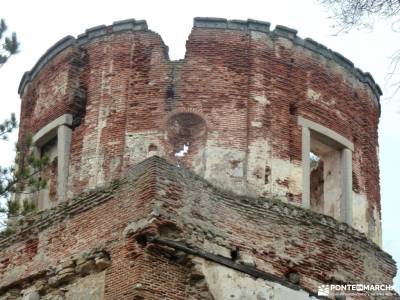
pixel 360 13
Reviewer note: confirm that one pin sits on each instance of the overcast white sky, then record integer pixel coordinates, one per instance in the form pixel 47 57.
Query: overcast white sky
pixel 39 24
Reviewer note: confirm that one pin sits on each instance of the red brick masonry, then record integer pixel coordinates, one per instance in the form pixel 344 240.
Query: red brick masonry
pixel 134 225
pixel 158 199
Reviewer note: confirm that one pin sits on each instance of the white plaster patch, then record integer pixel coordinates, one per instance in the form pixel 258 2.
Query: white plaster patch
pixel 199 162
pixel 282 170
pixel 216 249
pixel 296 179
pixel 258 36
pixel 247 260
pixel 88 160
pixel 262 99
pixel 114 164
pixel 374 227
pixel 224 167
pixel 360 206
pixel 279 172
pixel 92 152
pixel 99 169
pixel 378 228
pixel 51 92
pixel 141 145
pixel 225 283
pixel 312 95
pixel 258 159
pixel 332 183
pixel 90 287
pixel 61 80
pixel 283 42
pixel 137 225
pixel 256 124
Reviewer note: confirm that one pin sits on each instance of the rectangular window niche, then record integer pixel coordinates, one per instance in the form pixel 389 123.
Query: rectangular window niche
pixel 335 153
pixel 60 129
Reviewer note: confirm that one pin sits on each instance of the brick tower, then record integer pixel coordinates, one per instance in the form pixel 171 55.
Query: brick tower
pixel 246 170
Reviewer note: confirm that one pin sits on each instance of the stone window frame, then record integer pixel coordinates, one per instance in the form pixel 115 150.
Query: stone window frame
pixel 59 128
pixel 346 148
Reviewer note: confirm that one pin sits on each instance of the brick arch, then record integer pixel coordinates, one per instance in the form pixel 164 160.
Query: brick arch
pixel 186 136
pixel 191 110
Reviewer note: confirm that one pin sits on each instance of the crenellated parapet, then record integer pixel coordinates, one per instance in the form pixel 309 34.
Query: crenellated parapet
pixel 69 41
pixel 291 34
pixel 200 22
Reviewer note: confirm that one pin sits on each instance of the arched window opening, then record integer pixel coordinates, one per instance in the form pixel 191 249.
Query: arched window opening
pixel 186 133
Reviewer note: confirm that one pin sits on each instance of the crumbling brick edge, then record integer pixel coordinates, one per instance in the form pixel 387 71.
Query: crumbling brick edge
pixel 35 222
pixel 63 273
pixel 200 22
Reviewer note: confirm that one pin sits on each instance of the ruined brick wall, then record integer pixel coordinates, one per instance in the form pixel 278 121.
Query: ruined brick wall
pixel 162 232
pixel 230 112
pixel 234 101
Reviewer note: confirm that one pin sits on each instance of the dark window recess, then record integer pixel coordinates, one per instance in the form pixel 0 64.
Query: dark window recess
pixel 316 182
pixel 152 147
pixel 292 109
pixel 47 148
pixel 356 185
pixel 170 92
pixel 186 131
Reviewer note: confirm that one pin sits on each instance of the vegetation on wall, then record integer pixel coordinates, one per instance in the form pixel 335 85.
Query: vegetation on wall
pixel 26 179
